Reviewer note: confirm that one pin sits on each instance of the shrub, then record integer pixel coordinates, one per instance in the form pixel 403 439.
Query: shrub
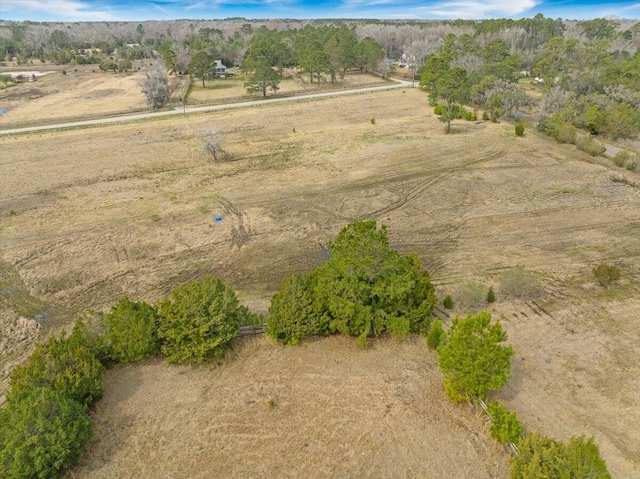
pixel 90 332
pixel 473 360
pixel 132 331
pixel 541 456
pixel 470 116
pixel 491 296
pixel 292 314
pixel 566 133
pixel 439 110
pixel 448 302
pixel 519 283
pixel 470 294
pixel 373 121
pixel 620 159
pixel 199 322
pixel 247 318
pixel 519 129
pixel 62 364
pixel 64 72
pixel 606 274
pixel 367 288
pixel 590 146
pixel 485 116
pixel 625 159
pixel 436 335
pixel 505 426
pixel 42 432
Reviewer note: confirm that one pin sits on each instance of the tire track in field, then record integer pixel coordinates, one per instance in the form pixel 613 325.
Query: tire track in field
pixel 241 228
pixel 412 195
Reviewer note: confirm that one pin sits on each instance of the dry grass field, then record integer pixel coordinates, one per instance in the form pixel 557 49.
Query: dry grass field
pixel 90 215
pixel 232 88
pixel 323 409
pixel 84 91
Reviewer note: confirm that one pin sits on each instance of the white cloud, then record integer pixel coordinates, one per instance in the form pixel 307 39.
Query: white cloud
pixel 449 9
pixel 476 9
pixel 70 10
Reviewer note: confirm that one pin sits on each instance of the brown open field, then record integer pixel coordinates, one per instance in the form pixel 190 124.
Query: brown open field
pixel 83 92
pixel 323 409
pixel 90 215
pixel 232 88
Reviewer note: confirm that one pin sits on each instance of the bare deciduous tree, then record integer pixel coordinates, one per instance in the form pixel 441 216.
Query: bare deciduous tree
pixel 553 100
pixel 155 86
pixel 211 137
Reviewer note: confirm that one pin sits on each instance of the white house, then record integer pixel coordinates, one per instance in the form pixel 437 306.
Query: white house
pixel 220 69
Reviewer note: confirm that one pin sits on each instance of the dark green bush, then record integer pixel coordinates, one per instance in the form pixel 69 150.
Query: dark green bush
pixel 436 335
pixel 519 129
pixel 448 302
pixel 247 318
pixel 42 432
pixel 90 331
pixel 505 427
pixel 364 289
pixel 473 360
pixel 199 322
pixel 132 331
pixel 470 116
pixel 491 296
pixel 606 274
pixel 62 364
pixel 292 314
pixel 367 288
pixel 541 456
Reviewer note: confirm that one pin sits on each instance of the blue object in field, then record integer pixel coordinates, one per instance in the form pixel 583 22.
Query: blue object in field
pixel 218 219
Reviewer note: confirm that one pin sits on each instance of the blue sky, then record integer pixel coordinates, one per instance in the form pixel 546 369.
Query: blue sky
pixel 137 10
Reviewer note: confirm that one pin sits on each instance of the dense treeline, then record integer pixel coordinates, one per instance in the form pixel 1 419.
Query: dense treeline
pixel 587 69
pixel 588 74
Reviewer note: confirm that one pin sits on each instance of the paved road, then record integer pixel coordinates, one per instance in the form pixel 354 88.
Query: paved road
pixel 182 111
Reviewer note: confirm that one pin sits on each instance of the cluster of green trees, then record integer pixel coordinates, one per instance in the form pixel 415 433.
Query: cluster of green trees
pixel 46 425
pixel 366 288
pixel 588 83
pixel 317 51
pixel 464 73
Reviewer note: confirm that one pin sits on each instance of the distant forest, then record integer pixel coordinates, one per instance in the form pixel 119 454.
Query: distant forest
pixel 587 71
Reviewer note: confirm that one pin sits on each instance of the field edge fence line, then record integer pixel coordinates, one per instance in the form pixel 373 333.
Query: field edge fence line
pixel 485 409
